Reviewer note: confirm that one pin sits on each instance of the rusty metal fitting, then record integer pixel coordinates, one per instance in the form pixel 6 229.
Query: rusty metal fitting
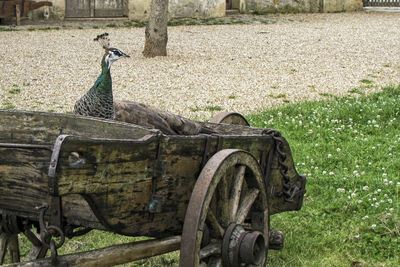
pixel 241 246
pixel 252 248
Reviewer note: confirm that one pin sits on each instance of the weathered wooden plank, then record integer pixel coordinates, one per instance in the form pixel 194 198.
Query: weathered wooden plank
pixel 43 128
pixel 113 255
pixel 23 180
pixel 77 211
pixel 18 8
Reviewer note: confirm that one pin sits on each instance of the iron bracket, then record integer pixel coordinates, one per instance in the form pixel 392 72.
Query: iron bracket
pixel 159 172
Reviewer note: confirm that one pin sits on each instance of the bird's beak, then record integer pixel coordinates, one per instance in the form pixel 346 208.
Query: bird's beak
pixel 126 55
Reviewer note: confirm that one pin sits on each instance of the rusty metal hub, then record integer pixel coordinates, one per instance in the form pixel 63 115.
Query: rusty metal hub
pixel 241 246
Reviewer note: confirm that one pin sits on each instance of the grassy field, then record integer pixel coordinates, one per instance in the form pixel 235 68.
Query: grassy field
pixel 349 148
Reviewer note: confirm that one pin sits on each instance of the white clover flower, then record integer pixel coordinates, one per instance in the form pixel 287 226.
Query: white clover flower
pixel 324 172
pixel 373 147
pixel 379 190
pixel 373 226
pixel 390 200
pixel 390 182
pixel 331 173
pixel 359 201
pixel 384 175
pixel 366 188
pixel 329 156
pixel 388 214
pixel 357 236
pixel 341 190
pixel 365 217
pixel 316 145
pixel 376 204
pixel 338 149
pixel 353 195
pixel 385 181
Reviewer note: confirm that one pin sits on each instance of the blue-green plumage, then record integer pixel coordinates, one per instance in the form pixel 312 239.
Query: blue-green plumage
pixel 98 101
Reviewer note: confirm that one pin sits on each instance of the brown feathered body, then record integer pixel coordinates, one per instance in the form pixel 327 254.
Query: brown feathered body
pixel 152 117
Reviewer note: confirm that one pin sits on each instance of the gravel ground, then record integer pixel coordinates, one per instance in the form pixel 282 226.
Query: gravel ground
pixel 243 68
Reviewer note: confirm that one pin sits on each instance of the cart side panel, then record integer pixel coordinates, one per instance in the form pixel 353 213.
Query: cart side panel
pixel 24 186
pixel 119 178
pixel 23 179
pixel 117 181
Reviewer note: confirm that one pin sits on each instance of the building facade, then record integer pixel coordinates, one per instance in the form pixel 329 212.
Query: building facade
pixel 139 9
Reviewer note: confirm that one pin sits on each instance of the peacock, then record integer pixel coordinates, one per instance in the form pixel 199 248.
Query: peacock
pixel 99 102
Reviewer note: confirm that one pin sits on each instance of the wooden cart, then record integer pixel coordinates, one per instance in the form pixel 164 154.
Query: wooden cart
pixel 19 8
pixel 209 195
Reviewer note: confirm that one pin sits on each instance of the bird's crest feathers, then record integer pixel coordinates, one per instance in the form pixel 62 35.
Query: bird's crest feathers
pixel 104 40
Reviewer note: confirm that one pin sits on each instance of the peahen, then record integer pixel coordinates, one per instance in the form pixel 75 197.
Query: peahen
pixel 99 102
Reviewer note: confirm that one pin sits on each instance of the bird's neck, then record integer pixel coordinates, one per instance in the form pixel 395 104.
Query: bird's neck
pixel 103 84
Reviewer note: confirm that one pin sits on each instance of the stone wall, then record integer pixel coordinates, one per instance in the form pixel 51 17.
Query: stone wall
pixel 140 9
pixel 293 6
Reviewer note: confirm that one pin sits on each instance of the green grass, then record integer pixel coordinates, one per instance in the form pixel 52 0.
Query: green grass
pixel 3 29
pixel 349 149
pixel 366 81
pixel 15 90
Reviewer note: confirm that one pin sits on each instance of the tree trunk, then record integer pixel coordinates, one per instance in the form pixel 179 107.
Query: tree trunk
pixel 156 30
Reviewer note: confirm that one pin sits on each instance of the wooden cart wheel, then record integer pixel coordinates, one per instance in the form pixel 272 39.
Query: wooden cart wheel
pixel 230 118
pixel 227 218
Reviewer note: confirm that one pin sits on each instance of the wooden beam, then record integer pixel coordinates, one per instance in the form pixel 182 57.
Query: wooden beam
pixel 113 255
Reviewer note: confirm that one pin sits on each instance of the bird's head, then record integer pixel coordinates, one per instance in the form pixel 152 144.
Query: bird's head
pixel 113 54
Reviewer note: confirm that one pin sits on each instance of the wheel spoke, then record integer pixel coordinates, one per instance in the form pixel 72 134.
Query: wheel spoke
pixel 214 225
pixel 3 247
pixel 236 191
pixel 14 248
pixel 246 205
pixel 222 201
pixel 209 250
